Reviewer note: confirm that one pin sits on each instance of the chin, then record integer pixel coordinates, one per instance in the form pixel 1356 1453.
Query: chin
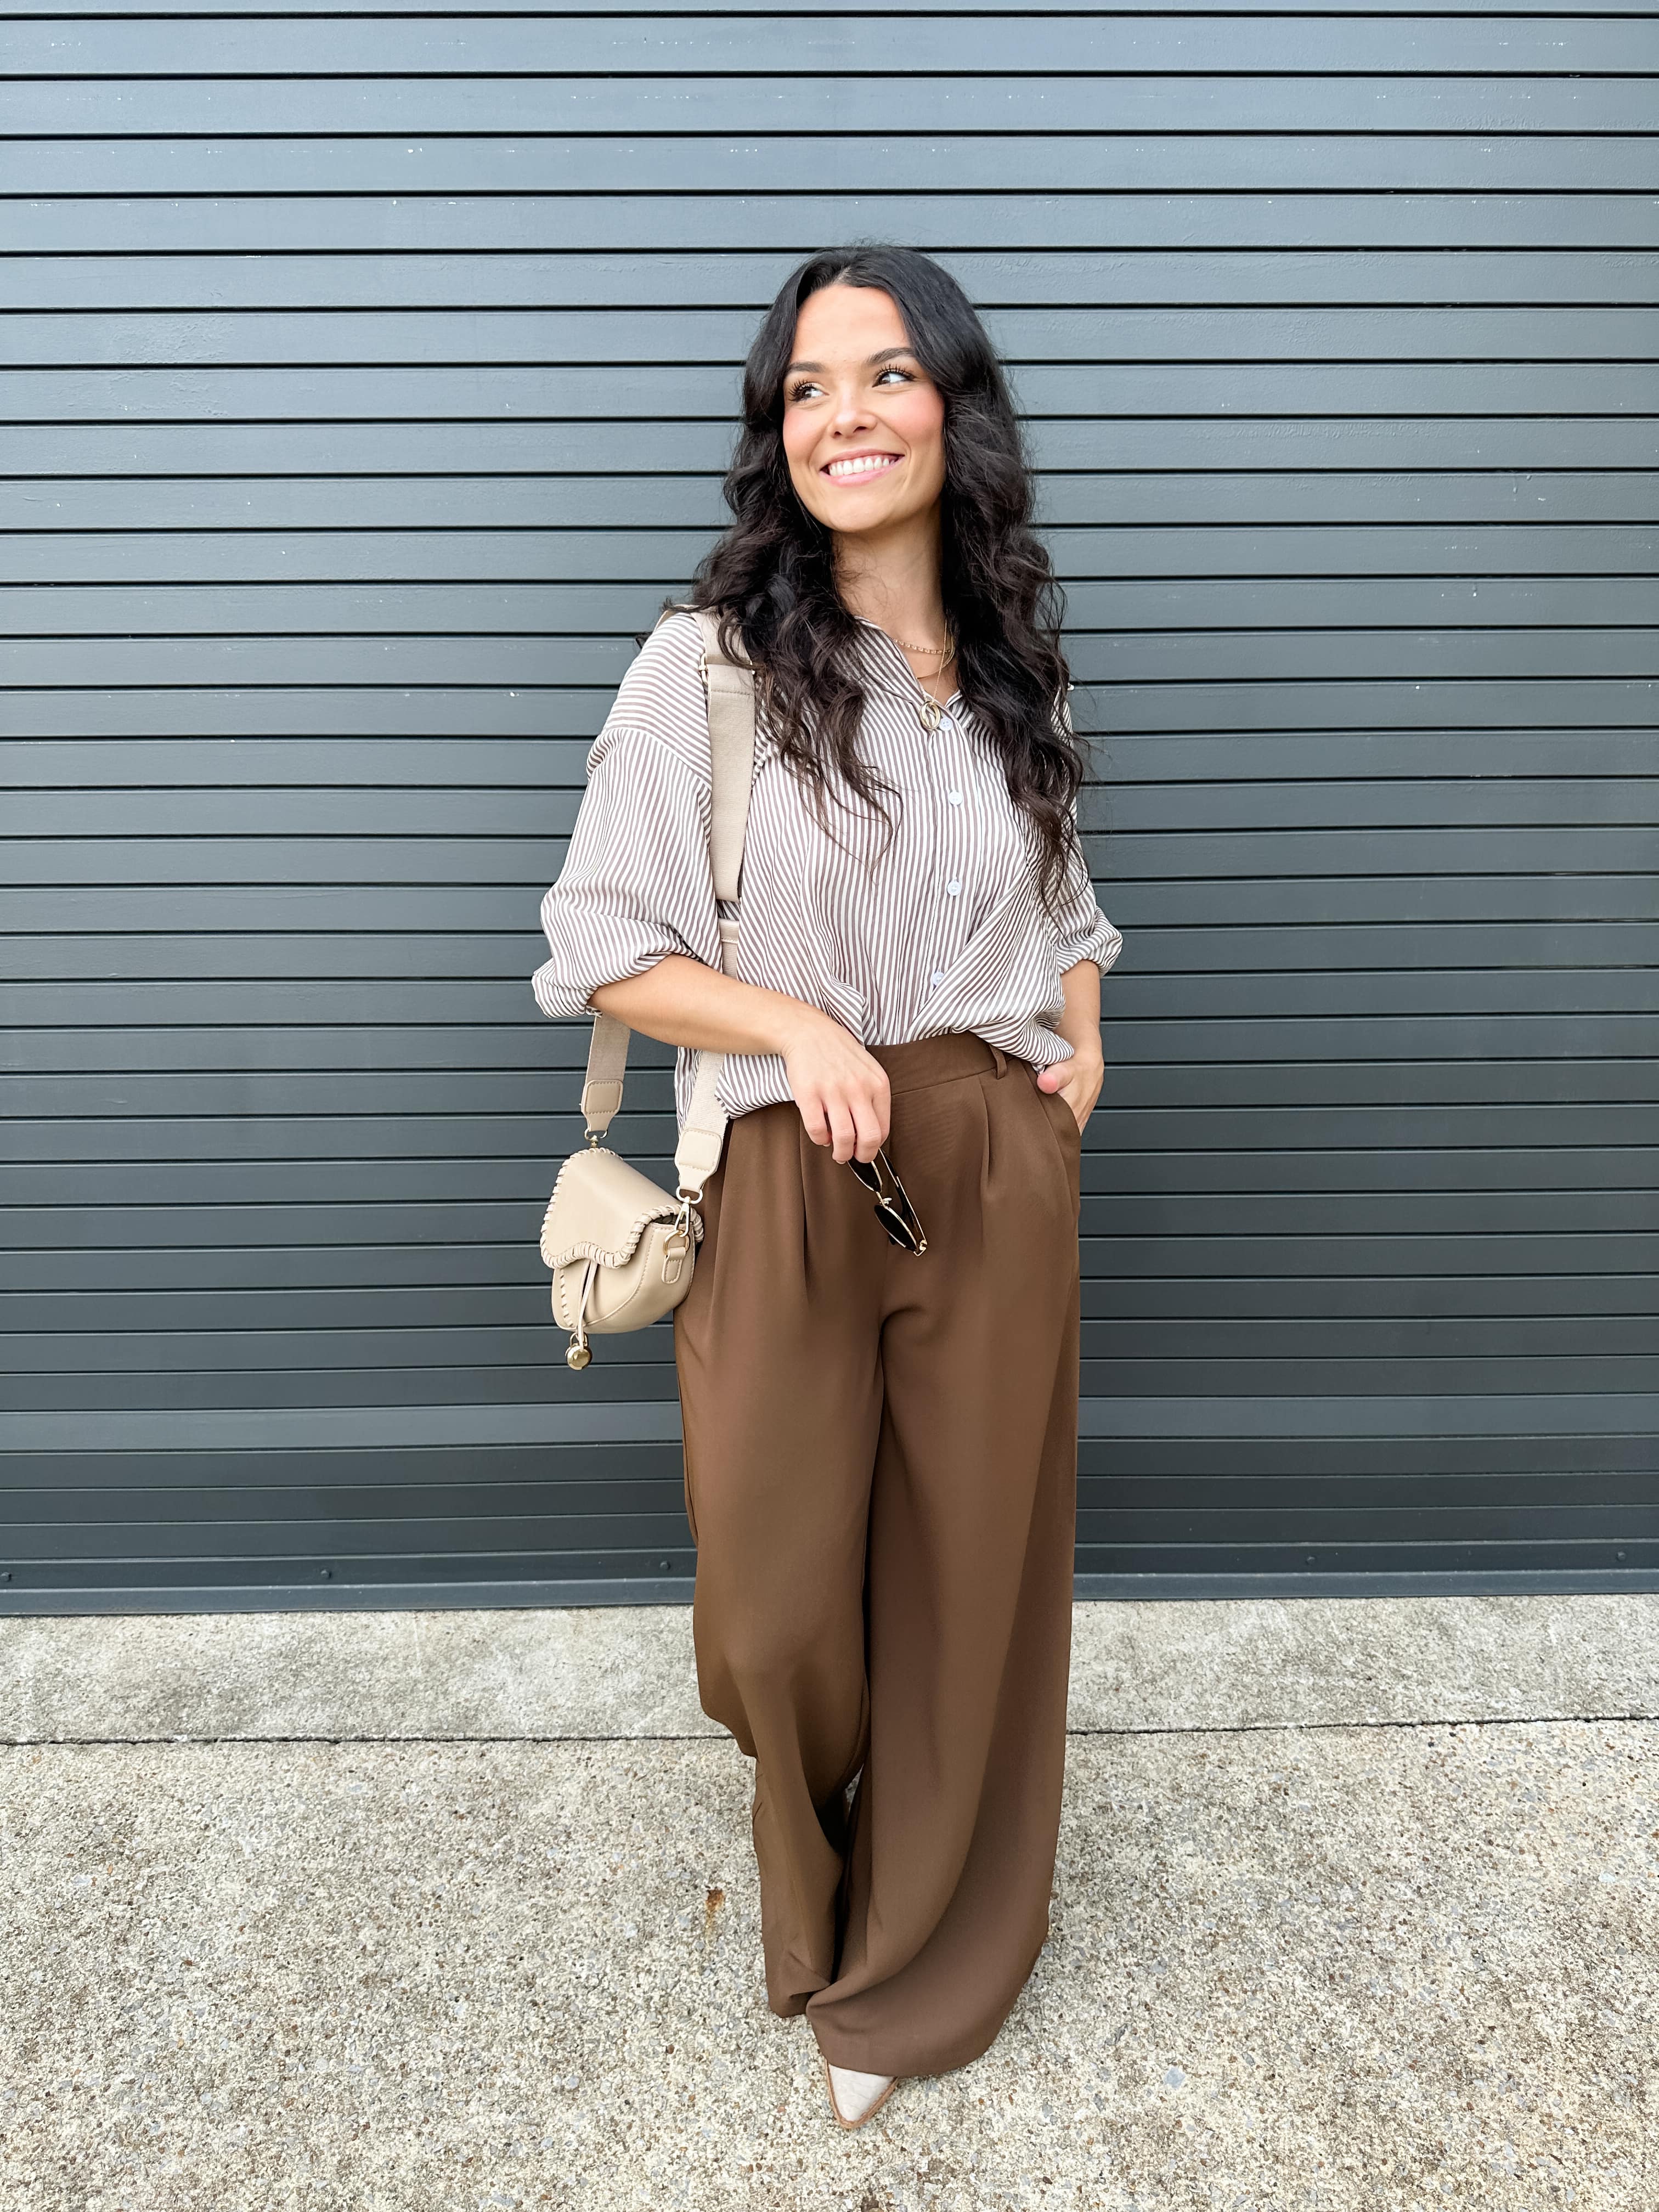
pixel 866 515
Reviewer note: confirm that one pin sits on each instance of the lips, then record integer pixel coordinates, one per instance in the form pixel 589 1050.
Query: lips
pixel 859 468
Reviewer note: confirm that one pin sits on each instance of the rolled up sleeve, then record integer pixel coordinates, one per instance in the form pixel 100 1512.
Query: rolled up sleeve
pixel 1082 930
pixel 636 884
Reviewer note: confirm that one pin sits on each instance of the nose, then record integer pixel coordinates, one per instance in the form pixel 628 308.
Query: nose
pixel 852 410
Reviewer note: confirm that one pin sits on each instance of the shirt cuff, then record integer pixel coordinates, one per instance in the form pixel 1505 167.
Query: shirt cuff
pixel 565 985
pixel 1099 942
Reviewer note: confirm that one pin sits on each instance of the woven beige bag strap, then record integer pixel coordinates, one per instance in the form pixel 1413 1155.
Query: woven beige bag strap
pixel 730 686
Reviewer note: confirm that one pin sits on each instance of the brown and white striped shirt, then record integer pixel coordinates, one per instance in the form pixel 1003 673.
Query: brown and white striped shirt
pixel 942 930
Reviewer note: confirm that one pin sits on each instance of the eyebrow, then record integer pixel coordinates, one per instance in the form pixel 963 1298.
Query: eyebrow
pixel 888 353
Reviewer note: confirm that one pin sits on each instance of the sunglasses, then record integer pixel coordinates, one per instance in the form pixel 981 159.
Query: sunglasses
pixel 893 1208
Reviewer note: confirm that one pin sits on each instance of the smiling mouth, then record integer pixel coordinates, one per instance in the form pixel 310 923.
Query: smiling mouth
pixel 859 468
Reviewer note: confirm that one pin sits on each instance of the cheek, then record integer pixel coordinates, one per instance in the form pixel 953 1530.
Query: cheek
pixel 920 421
pixel 800 437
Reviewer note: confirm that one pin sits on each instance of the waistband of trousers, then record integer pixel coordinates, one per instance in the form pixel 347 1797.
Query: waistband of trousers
pixel 937 1059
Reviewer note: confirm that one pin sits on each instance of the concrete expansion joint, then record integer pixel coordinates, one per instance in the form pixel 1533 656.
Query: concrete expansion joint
pixel 714 1736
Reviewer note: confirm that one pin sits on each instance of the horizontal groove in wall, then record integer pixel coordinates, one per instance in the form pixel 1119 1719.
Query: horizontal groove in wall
pixel 647 1589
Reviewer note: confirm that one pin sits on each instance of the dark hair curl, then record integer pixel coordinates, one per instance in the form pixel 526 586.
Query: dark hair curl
pixel 771 577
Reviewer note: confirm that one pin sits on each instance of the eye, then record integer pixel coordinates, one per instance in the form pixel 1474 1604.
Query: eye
pixel 803 387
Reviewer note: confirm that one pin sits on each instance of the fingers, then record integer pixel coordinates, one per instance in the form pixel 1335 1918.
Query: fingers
pixel 814 1120
pixel 858 1124
pixel 843 1129
pixel 849 1118
pixel 870 1127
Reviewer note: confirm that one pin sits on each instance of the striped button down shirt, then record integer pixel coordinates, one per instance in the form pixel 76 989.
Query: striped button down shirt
pixel 939 928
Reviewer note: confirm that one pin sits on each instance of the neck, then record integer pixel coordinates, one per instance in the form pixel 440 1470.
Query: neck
pixel 894 580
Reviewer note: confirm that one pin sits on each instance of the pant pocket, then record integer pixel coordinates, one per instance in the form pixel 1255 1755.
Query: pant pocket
pixel 1068 1139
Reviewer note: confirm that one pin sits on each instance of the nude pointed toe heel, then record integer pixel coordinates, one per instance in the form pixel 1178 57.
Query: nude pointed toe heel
pixel 861 2094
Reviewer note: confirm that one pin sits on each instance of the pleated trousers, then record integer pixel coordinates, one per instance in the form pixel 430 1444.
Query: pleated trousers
pixel 881 1478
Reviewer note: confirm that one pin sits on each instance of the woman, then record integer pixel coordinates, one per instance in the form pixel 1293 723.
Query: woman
pixel 880 1443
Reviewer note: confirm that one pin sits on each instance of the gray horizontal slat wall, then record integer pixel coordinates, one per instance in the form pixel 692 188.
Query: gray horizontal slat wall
pixel 368 378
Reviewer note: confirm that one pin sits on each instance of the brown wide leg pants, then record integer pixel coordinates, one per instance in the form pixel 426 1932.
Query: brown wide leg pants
pixel 881 1476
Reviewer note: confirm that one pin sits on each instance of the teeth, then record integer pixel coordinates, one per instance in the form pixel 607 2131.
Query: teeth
pixel 866 466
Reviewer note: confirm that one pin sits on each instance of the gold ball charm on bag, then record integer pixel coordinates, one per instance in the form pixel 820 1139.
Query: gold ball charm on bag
pixel 577 1355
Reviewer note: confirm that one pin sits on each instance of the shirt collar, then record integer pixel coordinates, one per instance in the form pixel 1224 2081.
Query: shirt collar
pixel 885 665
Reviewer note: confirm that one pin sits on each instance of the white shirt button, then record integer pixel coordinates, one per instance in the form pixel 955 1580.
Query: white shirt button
pixel 937 977
pixel 953 887
pixel 955 798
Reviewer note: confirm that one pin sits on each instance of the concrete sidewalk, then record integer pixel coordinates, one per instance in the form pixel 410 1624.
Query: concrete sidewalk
pixel 1358 1906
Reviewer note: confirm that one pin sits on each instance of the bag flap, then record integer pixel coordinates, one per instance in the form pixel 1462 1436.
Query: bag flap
pixel 600 1209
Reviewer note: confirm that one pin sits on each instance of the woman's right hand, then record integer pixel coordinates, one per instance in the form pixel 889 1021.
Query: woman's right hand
pixel 840 1088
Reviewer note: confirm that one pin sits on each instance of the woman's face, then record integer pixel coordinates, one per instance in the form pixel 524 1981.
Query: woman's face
pixel 863 422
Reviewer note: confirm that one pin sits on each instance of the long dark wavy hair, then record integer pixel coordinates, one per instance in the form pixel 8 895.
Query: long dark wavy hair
pixel 771 577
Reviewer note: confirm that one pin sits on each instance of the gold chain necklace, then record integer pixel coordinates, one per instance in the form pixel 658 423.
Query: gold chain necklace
pixel 944 652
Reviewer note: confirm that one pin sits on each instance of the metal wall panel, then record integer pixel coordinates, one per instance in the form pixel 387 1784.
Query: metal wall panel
pixel 369 381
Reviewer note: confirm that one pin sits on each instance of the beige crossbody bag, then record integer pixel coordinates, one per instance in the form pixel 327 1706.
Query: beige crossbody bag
pixel 621 1249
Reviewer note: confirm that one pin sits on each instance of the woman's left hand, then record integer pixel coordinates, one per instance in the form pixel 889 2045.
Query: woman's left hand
pixel 1078 1080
